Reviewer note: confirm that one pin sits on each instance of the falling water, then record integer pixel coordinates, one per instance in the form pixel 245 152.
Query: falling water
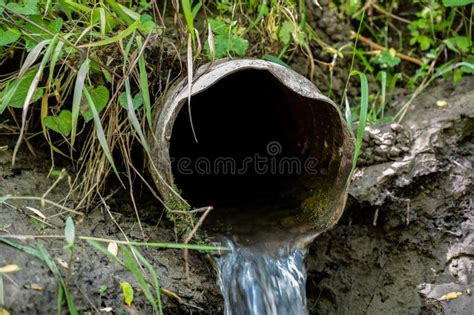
pixel 255 281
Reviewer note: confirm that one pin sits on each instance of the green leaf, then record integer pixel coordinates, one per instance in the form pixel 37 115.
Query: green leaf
pixel 127 291
pixel 9 36
pixel 225 42
pixel 459 44
pixel 137 100
pixel 188 16
pixel 18 98
pixel 285 32
pixel 4 198
pixel 219 27
pixel 146 24
pixel 456 3
pixel 69 233
pixel 37 34
pixel 61 123
pixel 27 7
pixel 387 59
pixel 100 96
pixel 424 41
pixel 228 44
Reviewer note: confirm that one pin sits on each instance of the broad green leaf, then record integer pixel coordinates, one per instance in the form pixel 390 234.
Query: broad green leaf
pixel 4 198
pixel 69 233
pixel 9 36
pixel 30 59
pixel 468 66
pixel 146 24
pixel 225 42
pixel 61 123
pixel 424 41
pixel 100 96
pixel 387 58
pixel 37 34
pixel 137 100
pixel 460 44
pixel 225 45
pixel 127 291
pixel 18 98
pixel 456 3
pixel 285 32
pixel 219 27
pixel 27 7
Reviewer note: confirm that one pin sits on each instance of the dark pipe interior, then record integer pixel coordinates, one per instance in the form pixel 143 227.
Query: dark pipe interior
pixel 237 118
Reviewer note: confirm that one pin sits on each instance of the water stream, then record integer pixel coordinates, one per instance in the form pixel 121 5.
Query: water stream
pixel 254 282
pixel 264 272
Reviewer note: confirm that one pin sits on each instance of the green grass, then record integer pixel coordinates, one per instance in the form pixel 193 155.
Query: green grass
pixel 87 76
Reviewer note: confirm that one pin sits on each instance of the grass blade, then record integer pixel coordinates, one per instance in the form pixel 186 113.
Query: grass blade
pixel 135 270
pixel 190 84
pixel 77 96
pixel 133 117
pixel 54 269
pixel 125 33
pixel 153 274
pixel 364 101
pixel 104 251
pixel 188 15
pixel 103 21
pixel 42 254
pixel 144 82
pixel 54 60
pixel 29 95
pixel 100 133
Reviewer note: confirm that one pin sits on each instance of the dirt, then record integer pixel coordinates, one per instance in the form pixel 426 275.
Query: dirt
pixel 94 279
pixel 406 240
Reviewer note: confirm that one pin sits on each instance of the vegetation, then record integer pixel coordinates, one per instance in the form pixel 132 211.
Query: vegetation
pixel 87 76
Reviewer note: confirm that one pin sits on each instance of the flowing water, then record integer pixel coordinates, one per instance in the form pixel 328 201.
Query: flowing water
pixel 264 271
pixel 254 282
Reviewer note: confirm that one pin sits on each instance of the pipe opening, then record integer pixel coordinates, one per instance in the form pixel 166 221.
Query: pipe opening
pixel 270 149
pixel 244 126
